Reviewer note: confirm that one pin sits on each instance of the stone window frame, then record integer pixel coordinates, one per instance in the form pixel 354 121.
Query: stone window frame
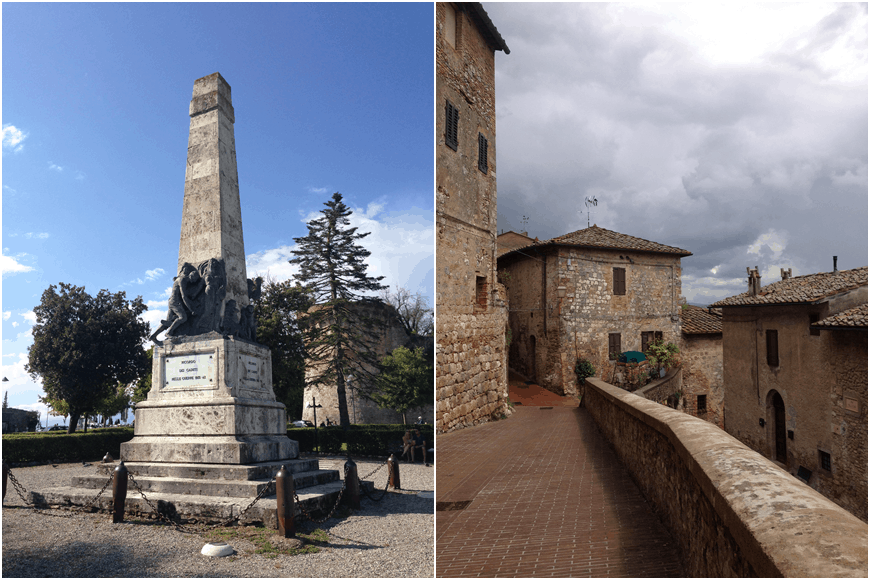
pixel 451 126
pixel 825 462
pixel 619 283
pixel 772 347
pixel 482 153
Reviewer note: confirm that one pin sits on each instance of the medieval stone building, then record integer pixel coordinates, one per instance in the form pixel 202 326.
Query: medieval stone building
pixel 701 357
pixel 510 240
pixel 471 372
pixel 795 369
pixel 588 294
pixel 389 334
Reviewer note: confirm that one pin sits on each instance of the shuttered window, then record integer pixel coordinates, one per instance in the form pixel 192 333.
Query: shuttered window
pixel 482 146
pixel 772 348
pixel 614 344
pixel 451 130
pixel 619 281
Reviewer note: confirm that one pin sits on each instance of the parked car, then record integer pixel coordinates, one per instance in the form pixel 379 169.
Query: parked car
pixel 58 427
pixel 303 423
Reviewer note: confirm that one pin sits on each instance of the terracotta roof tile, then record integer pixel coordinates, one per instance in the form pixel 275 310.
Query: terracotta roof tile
pixel 604 238
pixel 852 318
pixel 803 289
pixel 697 320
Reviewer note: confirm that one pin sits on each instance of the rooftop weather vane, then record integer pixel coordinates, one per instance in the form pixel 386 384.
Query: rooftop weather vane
pixel 590 202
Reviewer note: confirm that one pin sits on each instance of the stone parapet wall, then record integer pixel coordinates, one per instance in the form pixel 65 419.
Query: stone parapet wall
pixel 731 511
pixel 472 373
pixel 659 390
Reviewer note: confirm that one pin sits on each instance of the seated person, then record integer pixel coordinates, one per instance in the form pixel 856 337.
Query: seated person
pixel 418 443
pixel 407 445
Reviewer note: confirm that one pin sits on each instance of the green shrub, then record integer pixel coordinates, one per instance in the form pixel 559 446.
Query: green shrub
pixel 57 446
pixel 360 440
pixel 583 369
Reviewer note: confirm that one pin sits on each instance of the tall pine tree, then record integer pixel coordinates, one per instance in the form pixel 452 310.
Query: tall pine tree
pixel 338 333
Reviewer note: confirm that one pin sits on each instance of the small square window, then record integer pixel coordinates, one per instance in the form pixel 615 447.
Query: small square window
pixel 825 460
pixel 702 404
pixel 480 293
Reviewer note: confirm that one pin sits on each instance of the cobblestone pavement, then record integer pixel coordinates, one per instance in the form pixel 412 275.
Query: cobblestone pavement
pixel 524 393
pixel 545 496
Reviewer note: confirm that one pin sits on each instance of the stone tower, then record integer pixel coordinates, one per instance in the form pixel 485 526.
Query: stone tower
pixel 211 222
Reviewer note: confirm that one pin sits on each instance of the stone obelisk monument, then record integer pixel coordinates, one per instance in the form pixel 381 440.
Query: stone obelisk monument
pixel 211 399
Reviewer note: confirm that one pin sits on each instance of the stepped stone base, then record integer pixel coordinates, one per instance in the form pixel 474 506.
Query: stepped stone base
pixel 205 493
pixel 209 449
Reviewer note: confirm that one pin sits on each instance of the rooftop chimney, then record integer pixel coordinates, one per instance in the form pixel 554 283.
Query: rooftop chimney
pixel 835 264
pixel 785 273
pixel 754 281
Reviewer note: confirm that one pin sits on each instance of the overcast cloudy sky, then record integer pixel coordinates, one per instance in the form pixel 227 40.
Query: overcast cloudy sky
pixel 738 133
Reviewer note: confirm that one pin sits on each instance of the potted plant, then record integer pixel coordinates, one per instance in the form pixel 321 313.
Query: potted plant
pixel 663 355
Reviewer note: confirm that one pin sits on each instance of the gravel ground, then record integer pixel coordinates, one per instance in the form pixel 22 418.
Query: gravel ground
pixel 390 538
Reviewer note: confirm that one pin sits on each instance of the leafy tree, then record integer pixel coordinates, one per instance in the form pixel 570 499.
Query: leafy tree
pixel 406 381
pixel 337 334
pixel 114 403
pixel 414 311
pixel 6 400
pixel 142 385
pixel 277 327
pixel 84 346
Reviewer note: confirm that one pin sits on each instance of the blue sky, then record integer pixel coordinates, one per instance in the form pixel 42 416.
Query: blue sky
pixel 327 97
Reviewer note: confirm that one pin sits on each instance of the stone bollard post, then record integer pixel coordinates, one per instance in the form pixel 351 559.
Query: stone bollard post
pixel 5 477
pixel 393 468
pixel 351 484
pixel 119 492
pixel 285 491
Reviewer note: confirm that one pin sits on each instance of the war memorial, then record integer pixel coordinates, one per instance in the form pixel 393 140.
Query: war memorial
pixel 211 434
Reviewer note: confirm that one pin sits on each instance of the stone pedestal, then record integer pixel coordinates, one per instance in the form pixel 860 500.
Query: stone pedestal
pixel 211 401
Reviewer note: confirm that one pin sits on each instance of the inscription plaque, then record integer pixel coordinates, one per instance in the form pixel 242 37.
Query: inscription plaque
pixel 852 405
pixel 250 372
pixel 189 371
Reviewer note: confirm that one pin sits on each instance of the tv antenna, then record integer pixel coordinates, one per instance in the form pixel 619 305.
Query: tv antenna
pixel 590 202
pixel 525 224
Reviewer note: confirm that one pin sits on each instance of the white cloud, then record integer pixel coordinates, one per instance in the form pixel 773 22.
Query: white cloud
pixel 157 310
pixel 11 266
pixel 272 263
pixel 15 324
pixel 776 241
pixel 6 315
pixel 12 138
pixel 318 190
pixel 153 274
pixel 36 235
pixel 80 176
pixel 54 167
pixel 30 316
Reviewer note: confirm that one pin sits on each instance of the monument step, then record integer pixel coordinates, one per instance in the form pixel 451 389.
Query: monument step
pixel 317 501
pixel 235 472
pixel 211 487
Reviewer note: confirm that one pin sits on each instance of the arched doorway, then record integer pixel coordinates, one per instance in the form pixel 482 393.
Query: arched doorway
pixel 777 415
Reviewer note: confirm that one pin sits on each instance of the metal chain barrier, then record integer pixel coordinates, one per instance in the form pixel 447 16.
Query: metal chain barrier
pixel 308 516
pixel 19 488
pixel 197 530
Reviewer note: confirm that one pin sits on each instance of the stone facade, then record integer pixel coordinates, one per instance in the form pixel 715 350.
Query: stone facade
pixel 798 394
pixel 564 305
pixel 390 334
pixel 510 240
pixel 701 358
pixel 471 370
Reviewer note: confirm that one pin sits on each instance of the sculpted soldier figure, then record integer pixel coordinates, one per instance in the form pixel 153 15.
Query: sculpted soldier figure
pixel 185 287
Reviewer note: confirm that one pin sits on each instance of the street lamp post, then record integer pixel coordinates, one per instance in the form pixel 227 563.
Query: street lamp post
pixel 313 404
pixel 352 395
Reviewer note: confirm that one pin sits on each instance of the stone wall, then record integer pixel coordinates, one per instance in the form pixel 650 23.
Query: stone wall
pixel 471 370
pixel 659 390
pixel 389 335
pixel 732 512
pixel 549 333
pixel 701 356
pixel 812 378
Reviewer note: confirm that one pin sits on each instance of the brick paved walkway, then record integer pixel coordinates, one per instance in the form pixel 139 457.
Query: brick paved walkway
pixel 547 498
